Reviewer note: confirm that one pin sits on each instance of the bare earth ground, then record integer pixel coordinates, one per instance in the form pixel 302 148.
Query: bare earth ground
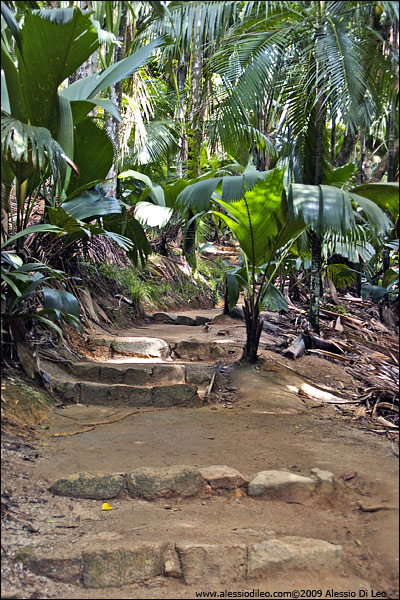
pixel 264 426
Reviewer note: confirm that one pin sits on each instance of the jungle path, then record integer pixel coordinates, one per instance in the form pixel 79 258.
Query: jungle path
pixel 220 537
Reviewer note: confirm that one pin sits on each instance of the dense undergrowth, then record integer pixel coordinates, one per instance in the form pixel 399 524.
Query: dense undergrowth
pixel 163 284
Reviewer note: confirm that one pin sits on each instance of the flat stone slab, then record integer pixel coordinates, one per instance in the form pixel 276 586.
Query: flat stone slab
pixel 281 485
pixel 194 563
pixel 67 568
pixel 292 552
pixel 145 347
pixel 175 395
pixel 97 486
pixel 117 568
pixel 166 482
pixel 223 477
pixel 185 320
pixel 198 351
pixel 162 317
pixel 207 562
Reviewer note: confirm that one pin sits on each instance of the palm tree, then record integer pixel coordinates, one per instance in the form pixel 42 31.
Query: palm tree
pixel 317 52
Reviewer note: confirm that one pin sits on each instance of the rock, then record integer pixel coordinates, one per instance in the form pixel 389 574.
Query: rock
pixel 162 317
pixel 281 485
pixel 170 373
pixel 198 351
pixel 141 346
pixel 111 375
pixel 93 393
pixel 166 482
pixel 116 568
pixel 172 566
pixel 205 562
pixel 85 370
pixel 290 553
pixel 68 390
pixel 67 569
pixel 199 374
pixel 326 481
pixel 137 376
pixel 98 486
pixel 221 476
pixel 185 320
pixel 128 395
pixel 200 320
pixel 175 395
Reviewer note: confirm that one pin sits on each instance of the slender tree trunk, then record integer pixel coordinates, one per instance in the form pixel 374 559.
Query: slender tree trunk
pixel 194 139
pixel 181 76
pixel 254 327
pixel 5 195
pixel 362 158
pixel 346 149
pixel 333 140
pixel 315 281
pixel 392 122
pixel 112 126
pixel 316 240
pixel 383 166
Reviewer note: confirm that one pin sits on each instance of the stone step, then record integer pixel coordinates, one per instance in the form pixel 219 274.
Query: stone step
pixel 144 347
pixel 103 348
pixel 120 394
pixel 129 373
pixel 117 565
pixel 183 481
pixel 174 319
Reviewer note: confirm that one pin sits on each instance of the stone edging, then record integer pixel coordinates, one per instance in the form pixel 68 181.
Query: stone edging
pixel 191 563
pixel 186 481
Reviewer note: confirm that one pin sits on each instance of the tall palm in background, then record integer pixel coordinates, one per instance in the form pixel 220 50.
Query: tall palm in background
pixel 319 67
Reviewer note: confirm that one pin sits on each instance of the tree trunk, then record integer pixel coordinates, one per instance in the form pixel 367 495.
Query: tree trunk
pixel 254 327
pixel 392 122
pixel 315 281
pixel 5 195
pixel 316 241
pixel 384 164
pixel 181 76
pixel 112 126
pixel 362 158
pixel 346 149
pixel 194 140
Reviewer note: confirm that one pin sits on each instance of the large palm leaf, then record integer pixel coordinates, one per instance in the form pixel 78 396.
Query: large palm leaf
pixel 261 220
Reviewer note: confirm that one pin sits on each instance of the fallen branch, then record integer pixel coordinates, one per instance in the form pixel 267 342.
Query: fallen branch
pixel 375 507
pixel 65 434
pixel 307 341
pixel 331 355
pixel 211 384
pixel 296 348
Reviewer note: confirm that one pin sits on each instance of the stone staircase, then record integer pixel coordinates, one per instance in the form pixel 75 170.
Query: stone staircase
pixel 184 540
pixel 109 555
pixel 131 380
pixel 138 371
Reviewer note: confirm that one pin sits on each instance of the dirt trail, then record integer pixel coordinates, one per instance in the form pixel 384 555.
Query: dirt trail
pixel 265 425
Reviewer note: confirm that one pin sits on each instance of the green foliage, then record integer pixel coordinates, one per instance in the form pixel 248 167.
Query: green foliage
pixel 261 220
pixel 340 309
pixel 23 292
pixel 135 287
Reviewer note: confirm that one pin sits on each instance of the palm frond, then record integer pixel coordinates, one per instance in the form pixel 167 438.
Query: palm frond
pixel 27 147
